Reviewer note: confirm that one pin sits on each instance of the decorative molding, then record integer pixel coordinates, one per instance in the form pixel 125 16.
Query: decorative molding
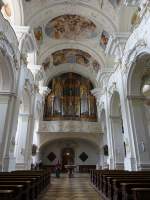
pixel 136 97
pixel 7 50
pixel 132 2
pixel 116 44
pixel 112 88
pixel 69 126
pixel 44 91
pixel 130 54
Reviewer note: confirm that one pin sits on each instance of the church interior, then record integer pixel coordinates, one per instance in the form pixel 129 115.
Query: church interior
pixel 75 99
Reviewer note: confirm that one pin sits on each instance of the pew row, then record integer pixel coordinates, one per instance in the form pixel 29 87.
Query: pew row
pixel 23 185
pixel 120 184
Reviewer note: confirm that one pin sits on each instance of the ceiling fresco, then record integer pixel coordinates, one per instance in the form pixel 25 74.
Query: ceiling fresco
pixel 71 27
pixel 104 39
pixel 72 56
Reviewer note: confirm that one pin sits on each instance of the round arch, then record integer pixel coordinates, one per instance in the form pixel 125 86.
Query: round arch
pixel 139 109
pixel 65 68
pixel 74 45
pixel 71 139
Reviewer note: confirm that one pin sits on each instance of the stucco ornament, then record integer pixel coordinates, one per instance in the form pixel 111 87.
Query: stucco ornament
pixel 112 88
pixel 8 50
pixel 131 54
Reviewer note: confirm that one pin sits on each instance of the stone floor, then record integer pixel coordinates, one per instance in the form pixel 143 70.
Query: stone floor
pixel 76 188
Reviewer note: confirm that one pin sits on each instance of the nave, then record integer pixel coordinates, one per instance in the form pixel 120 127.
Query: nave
pixel 64 188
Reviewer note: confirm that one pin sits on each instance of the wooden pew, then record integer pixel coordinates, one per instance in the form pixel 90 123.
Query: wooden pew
pixel 15 191
pixel 127 189
pixel 8 194
pixel 34 182
pixel 140 193
pixel 108 183
pixel 120 186
pixel 29 188
pixel 103 181
pixel 31 182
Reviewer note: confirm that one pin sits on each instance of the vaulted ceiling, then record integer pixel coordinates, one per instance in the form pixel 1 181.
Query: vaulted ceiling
pixel 69 33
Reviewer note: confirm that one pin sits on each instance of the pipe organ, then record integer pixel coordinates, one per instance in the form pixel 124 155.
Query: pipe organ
pixel 70 99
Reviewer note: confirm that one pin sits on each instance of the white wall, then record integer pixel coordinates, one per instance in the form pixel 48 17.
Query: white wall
pixel 79 146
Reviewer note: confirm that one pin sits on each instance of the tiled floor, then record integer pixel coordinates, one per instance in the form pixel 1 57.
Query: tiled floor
pixel 64 188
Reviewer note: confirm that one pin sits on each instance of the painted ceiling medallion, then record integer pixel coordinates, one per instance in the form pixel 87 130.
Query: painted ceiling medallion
pixel 71 27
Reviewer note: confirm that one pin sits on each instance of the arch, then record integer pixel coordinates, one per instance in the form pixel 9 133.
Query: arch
pixel 64 68
pixel 81 9
pixel 137 70
pixel 71 45
pixel 84 152
pixel 67 138
pixel 139 109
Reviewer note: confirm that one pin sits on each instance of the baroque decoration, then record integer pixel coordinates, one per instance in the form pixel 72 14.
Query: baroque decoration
pixel 71 27
pixel 104 39
pixel 72 56
pixel 70 99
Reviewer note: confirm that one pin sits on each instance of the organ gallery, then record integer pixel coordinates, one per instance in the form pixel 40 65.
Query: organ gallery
pixel 70 98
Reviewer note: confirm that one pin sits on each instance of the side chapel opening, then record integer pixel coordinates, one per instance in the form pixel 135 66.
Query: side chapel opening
pixel 70 99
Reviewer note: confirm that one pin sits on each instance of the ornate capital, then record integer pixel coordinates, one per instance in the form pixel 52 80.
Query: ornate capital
pixel 97 92
pixel 116 44
pixel 35 69
pixel 44 91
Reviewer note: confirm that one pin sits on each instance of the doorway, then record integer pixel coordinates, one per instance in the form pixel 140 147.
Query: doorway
pixel 68 157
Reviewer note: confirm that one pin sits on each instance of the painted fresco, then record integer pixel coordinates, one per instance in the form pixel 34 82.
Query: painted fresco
pixel 104 39
pixel 75 56
pixel 38 34
pixel 46 63
pixel 70 27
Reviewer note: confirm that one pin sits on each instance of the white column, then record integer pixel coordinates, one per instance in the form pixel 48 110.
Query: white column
pixel 119 155
pixel 28 145
pixel 21 140
pixel 9 124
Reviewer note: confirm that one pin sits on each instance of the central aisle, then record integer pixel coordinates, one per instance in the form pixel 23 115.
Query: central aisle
pixel 64 188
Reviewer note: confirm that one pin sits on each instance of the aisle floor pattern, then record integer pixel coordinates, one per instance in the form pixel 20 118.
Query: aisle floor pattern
pixel 64 188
